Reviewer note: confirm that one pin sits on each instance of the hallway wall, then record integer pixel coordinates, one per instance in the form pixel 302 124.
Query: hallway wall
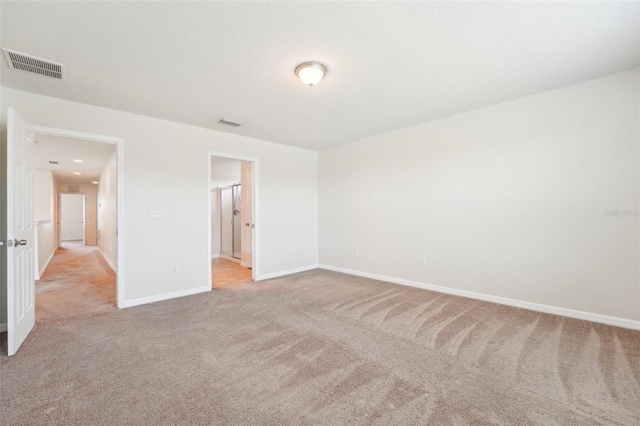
pixel 44 202
pixel 107 213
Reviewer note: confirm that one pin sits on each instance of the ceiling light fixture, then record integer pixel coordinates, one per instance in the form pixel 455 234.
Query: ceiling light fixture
pixel 78 161
pixel 95 182
pixel 77 173
pixel 311 72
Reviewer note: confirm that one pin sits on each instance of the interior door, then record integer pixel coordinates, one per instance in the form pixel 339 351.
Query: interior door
pixel 247 214
pixel 20 231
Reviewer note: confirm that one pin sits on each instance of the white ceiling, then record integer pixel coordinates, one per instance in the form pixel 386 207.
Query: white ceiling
pixel 94 156
pixel 391 64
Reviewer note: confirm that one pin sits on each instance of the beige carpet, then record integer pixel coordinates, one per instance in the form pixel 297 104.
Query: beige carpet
pixel 313 348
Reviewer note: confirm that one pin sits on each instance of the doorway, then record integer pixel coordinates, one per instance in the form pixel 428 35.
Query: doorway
pixel 232 243
pixel 76 256
pixel 81 174
pixel 73 220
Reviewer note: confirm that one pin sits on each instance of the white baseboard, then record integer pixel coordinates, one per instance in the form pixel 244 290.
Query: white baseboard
pixel 3 327
pixel 548 309
pixel 215 256
pixel 106 259
pixel 286 272
pixel 165 296
pixel 44 268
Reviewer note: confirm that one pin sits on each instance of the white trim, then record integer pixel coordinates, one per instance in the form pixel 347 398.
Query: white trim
pixel 548 309
pixel 165 296
pixel 286 272
pixel 3 327
pixel 229 258
pixel 120 222
pixel 215 256
pixel 51 131
pixel 44 268
pixel 106 259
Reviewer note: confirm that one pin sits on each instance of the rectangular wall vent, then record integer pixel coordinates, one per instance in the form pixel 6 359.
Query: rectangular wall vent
pixel 230 122
pixel 74 188
pixel 28 63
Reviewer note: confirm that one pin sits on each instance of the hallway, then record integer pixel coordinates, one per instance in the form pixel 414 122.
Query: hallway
pixel 77 282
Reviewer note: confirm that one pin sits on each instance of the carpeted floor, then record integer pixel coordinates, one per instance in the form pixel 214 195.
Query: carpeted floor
pixel 313 348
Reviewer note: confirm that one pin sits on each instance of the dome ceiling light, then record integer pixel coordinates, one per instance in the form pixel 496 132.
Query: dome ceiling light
pixel 311 73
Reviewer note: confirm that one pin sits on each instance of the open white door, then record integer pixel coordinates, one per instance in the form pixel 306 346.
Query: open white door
pixel 20 231
pixel 246 214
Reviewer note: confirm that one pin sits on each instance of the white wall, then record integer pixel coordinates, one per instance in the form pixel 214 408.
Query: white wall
pixel 44 201
pixel 107 213
pixel 43 193
pixel 506 201
pixel 71 217
pixel 165 168
pixel 225 171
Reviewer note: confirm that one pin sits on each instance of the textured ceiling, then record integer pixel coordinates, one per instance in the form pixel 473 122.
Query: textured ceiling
pixel 391 64
pixel 94 156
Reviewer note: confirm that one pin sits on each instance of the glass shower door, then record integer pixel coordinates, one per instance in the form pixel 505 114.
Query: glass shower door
pixel 237 223
pixel 226 221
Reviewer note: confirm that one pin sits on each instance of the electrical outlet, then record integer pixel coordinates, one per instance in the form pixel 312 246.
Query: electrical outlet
pixel 357 253
pixel 154 214
pixel 174 269
pixel 422 261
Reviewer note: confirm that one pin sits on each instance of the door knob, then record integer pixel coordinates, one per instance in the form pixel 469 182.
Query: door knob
pixel 18 242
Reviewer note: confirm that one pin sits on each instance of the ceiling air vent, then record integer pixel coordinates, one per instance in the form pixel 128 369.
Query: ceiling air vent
pixel 22 62
pixel 230 122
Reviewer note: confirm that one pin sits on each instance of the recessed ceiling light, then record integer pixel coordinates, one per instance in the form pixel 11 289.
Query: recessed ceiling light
pixel 311 72
pixel 78 161
pixel 77 173
pixel 95 182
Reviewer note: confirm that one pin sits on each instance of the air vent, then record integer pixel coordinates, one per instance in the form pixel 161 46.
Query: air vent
pixel 230 122
pixel 22 62
pixel 53 162
pixel 74 188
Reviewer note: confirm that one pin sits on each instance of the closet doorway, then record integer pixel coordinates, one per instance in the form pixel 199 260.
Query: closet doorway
pixel 232 236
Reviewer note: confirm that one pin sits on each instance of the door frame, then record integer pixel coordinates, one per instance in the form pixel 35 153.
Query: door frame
pixel 255 207
pixel 120 228
pixel 59 216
